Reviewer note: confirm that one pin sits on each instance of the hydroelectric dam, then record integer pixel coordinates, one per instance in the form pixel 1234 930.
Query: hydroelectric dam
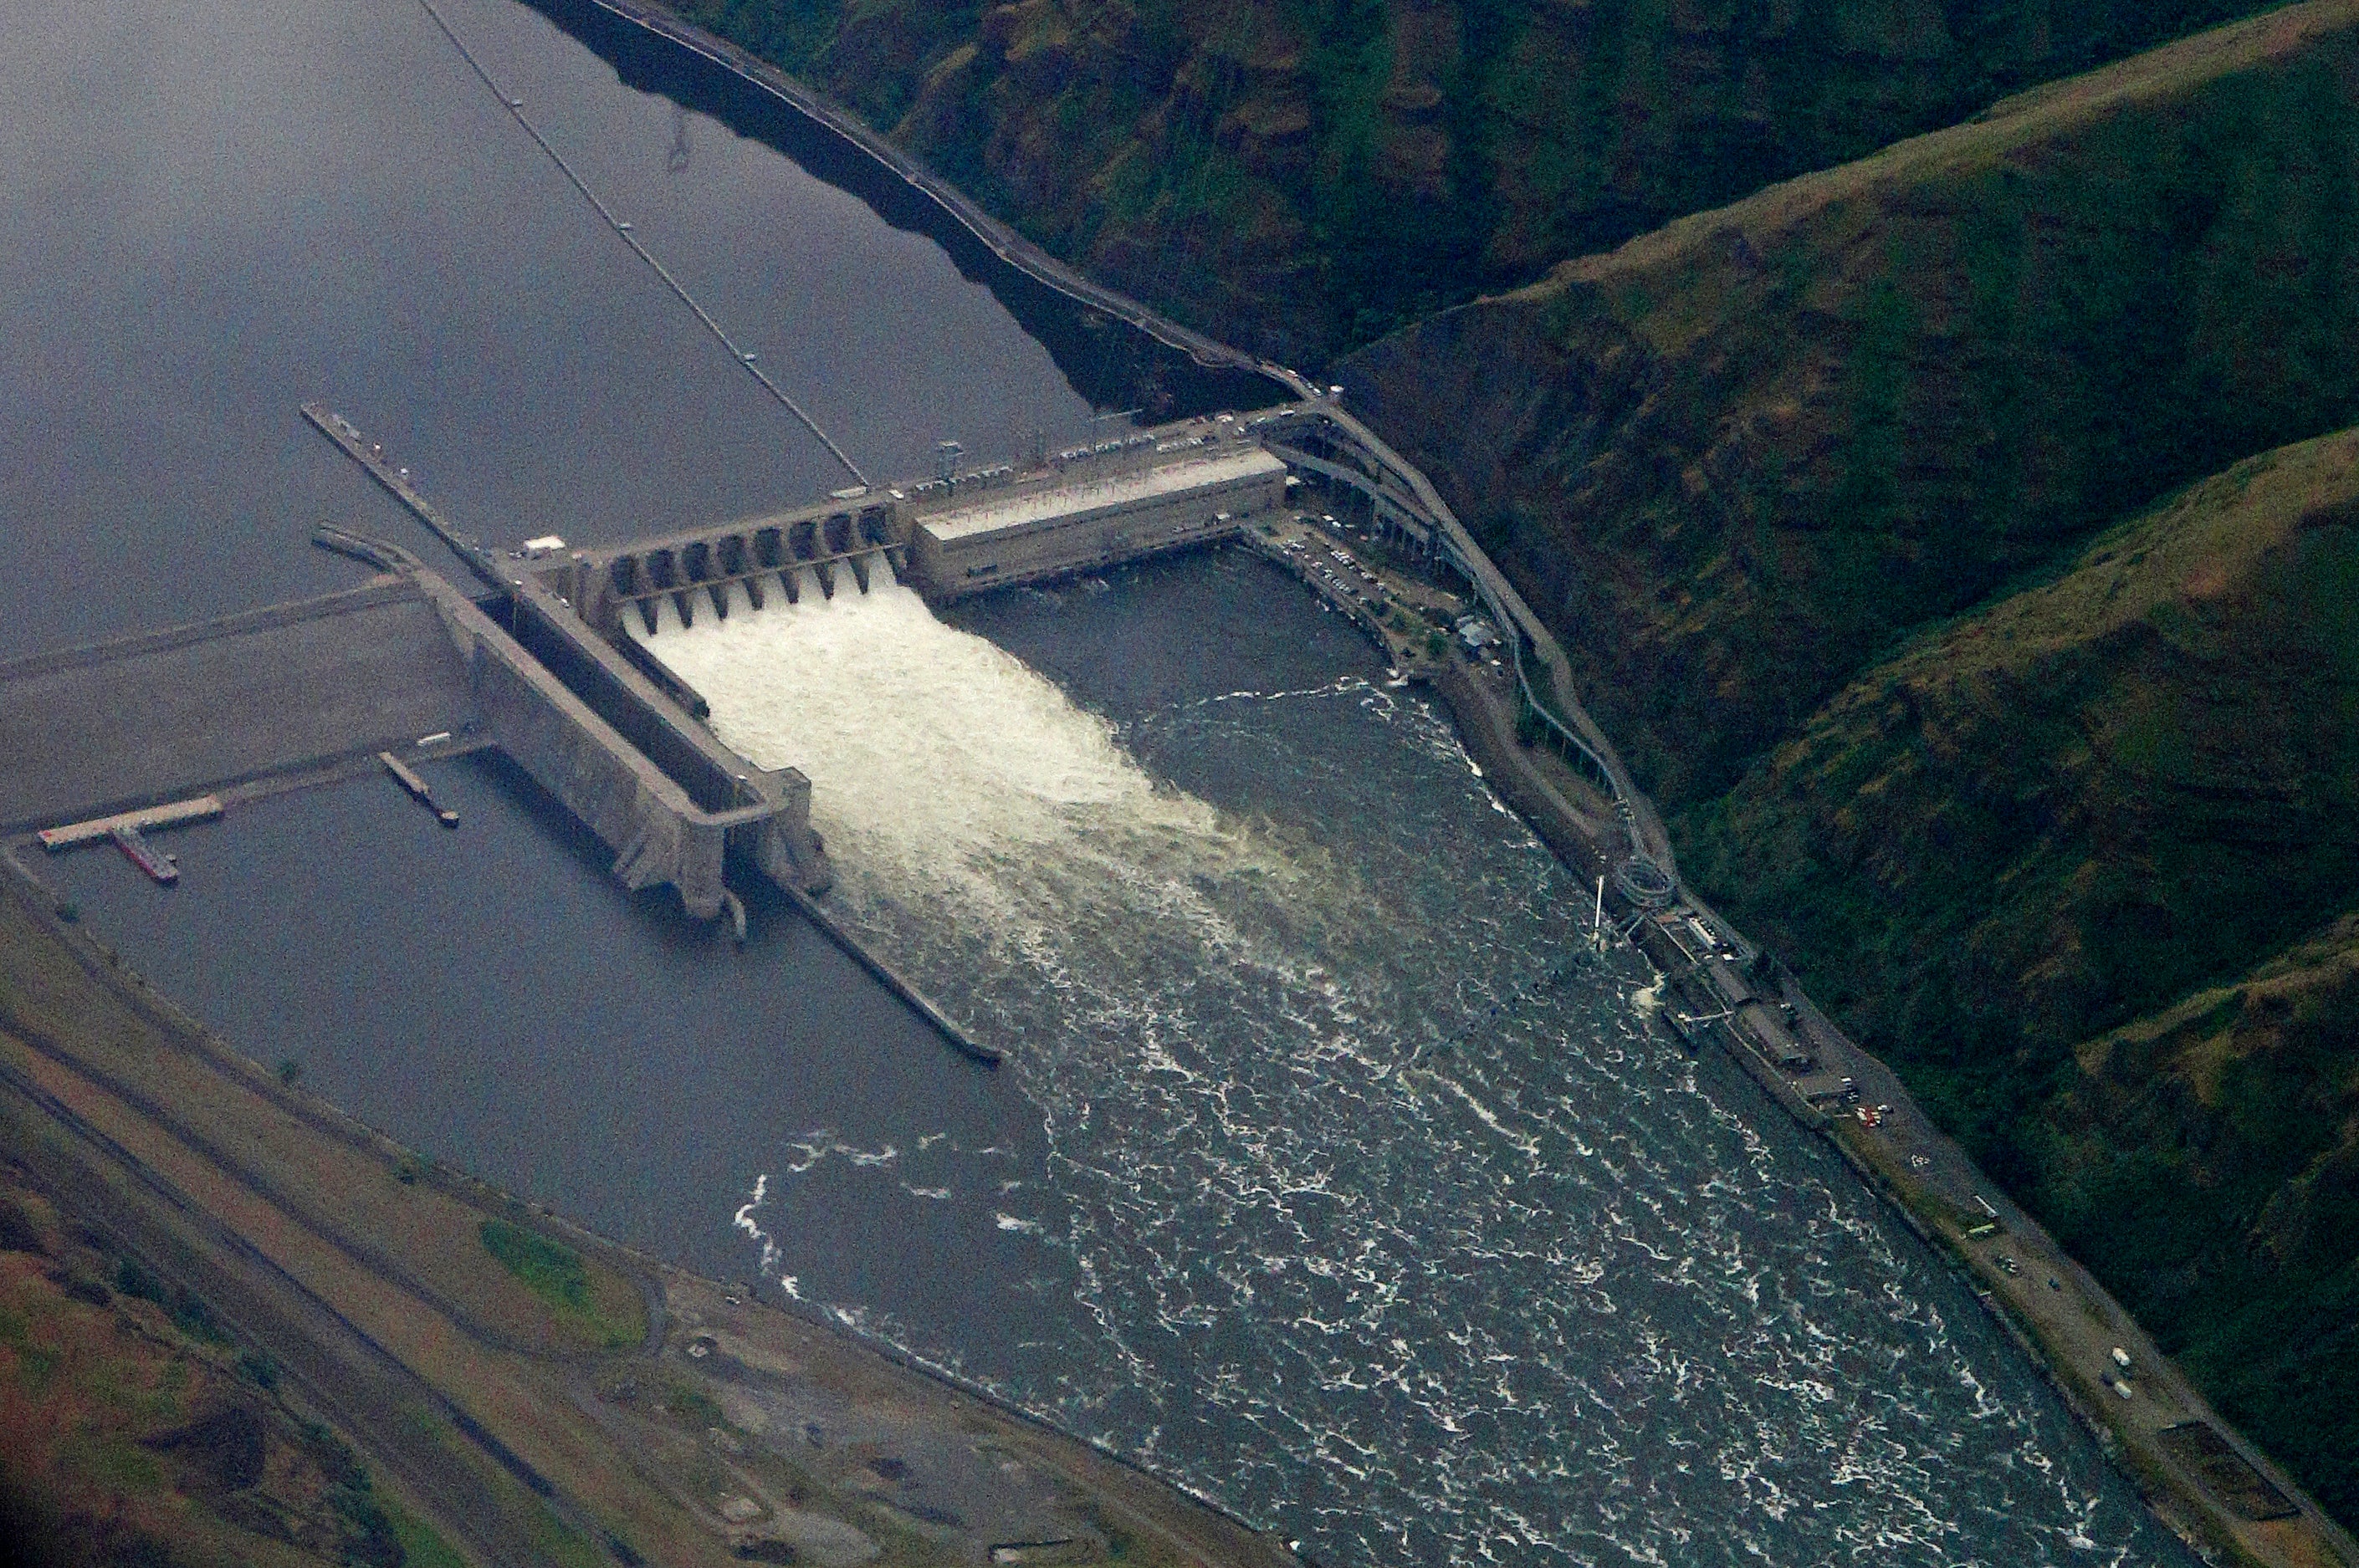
pixel 557 657
pixel 553 658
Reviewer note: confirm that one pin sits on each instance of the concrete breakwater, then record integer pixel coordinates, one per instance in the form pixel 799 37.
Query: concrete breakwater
pixel 892 979
pixel 592 726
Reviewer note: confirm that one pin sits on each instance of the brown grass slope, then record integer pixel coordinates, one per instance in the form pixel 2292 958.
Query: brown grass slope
pixel 1737 460
pixel 136 1435
pixel 2074 864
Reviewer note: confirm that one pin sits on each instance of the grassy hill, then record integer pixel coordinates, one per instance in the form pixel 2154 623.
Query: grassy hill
pixel 1905 525
pixel 2083 866
pixel 1741 457
pixel 2092 796
pixel 1300 176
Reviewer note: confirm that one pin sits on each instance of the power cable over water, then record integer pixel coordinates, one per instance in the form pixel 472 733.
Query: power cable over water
pixel 622 231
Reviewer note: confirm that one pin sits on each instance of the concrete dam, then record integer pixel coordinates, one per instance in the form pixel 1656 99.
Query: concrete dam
pixel 556 658
pixel 555 661
pixel 947 536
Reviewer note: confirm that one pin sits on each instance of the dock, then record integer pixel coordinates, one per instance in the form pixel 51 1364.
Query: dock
pixel 203 809
pixel 159 868
pixel 416 787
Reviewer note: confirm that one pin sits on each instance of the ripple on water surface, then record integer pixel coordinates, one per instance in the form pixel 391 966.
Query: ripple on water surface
pixel 1372 1209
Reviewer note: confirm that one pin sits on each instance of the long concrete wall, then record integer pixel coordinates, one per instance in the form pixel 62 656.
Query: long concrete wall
pixel 659 828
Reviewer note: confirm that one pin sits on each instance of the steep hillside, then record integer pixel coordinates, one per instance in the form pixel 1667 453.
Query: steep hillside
pixel 2066 863
pixel 1249 165
pixel 138 1434
pixel 2088 799
pixel 1895 521
pixel 2207 1159
pixel 1735 460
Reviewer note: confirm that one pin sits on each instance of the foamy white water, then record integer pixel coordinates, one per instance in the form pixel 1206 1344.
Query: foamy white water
pixel 939 763
pixel 1370 1209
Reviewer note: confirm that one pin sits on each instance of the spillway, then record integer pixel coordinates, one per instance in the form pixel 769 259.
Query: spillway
pixel 941 766
pixel 1368 1206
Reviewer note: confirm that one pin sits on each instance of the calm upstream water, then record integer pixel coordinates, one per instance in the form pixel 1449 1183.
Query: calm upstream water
pixel 1331 1175
pixel 217 213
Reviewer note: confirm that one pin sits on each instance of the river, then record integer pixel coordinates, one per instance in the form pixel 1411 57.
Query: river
pixel 1330 1175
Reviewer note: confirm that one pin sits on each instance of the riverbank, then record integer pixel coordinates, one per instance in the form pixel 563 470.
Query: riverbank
pixel 2201 1477
pixel 518 1425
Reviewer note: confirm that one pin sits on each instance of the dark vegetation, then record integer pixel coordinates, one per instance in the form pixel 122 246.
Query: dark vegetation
pixel 1749 456
pixel 1302 176
pixel 1964 546
pixel 549 1270
pixel 2080 864
pixel 559 1276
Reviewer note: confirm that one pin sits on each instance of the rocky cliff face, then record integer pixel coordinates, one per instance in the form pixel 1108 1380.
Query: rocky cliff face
pixel 1302 175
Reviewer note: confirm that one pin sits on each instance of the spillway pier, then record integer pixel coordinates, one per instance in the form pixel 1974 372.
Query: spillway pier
pixel 204 808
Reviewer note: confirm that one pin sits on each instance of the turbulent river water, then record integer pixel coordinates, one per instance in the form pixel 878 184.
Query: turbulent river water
pixel 1369 1203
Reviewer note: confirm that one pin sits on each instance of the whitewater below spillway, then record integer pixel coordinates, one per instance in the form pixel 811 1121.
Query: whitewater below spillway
pixel 1368 1204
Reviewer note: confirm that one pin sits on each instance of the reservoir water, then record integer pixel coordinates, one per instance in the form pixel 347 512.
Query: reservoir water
pixel 219 212
pixel 1330 1175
